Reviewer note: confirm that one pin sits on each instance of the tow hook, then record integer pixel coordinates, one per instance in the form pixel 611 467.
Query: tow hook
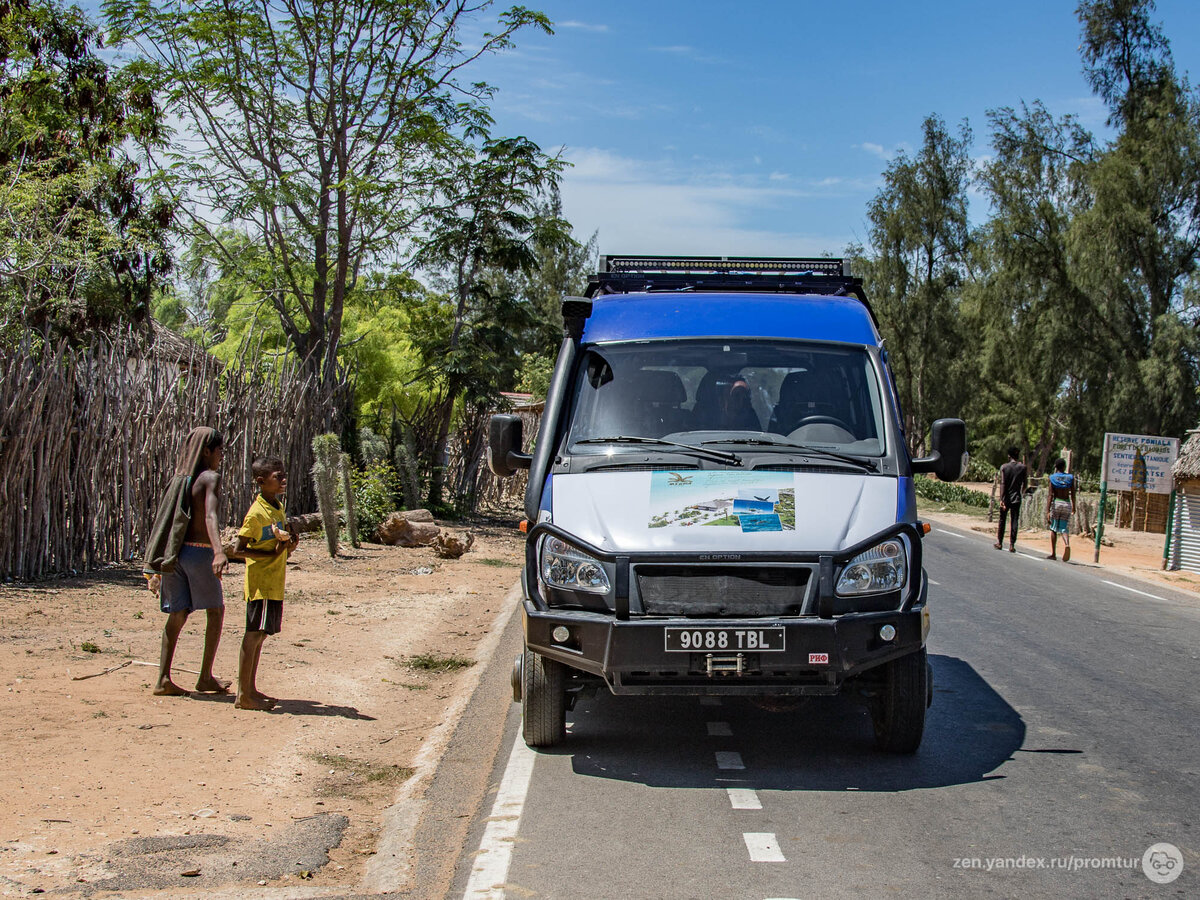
pixel 724 665
pixel 517 672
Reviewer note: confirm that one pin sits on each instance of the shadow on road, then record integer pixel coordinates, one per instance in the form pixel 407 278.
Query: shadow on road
pixel 824 745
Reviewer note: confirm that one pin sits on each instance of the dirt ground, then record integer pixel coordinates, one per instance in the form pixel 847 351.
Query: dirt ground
pixel 107 787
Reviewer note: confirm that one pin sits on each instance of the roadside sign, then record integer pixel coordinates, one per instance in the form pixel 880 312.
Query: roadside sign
pixel 1135 462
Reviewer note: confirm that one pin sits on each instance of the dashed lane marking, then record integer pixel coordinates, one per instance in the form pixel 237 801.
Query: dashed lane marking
pixel 961 537
pixel 743 798
pixel 719 729
pixel 1136 591
pixel 763 846
pixel 727 759
pixel 490 869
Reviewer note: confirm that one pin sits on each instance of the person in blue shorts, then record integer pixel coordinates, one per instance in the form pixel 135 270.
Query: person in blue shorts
pixel 1060 503
pixel 185 561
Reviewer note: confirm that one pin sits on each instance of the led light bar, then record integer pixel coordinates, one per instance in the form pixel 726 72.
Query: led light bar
pixel 725 265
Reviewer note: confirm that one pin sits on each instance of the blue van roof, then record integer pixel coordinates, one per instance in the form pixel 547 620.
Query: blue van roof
pixel 810 317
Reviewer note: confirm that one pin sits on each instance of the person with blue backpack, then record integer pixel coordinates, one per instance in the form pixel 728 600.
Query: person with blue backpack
pixel 1060 503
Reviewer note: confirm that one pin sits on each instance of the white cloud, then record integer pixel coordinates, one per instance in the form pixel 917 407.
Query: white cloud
pixel 645 206
pixel 581 26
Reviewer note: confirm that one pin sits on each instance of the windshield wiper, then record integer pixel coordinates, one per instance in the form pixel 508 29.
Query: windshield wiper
pixel 816 451
pixel 730 458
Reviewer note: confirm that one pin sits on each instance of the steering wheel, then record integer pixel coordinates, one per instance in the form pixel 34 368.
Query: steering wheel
pixel 823 420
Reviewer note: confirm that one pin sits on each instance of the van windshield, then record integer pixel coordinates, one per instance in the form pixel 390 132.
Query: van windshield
pixel 713 390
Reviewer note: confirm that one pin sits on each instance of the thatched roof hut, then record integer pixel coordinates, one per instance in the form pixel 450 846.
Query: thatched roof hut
pixel 171 348
pixel 1187 466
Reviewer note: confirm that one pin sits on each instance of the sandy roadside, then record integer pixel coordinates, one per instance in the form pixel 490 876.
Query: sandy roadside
pixel 110 788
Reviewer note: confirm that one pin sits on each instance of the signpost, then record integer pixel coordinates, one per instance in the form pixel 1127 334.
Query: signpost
pixel 1135 462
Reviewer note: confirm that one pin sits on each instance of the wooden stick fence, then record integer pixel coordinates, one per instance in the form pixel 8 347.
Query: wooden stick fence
pixel 89 438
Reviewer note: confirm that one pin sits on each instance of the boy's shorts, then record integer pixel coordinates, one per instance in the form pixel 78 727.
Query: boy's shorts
pixel 1060 516
pixel 264 615
pixel 192 585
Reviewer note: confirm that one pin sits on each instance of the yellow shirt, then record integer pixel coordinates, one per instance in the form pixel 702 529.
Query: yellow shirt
pixel 264 577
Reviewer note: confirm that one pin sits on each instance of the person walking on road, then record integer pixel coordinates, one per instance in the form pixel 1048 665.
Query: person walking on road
pixel 1060 503
pixel 1014 478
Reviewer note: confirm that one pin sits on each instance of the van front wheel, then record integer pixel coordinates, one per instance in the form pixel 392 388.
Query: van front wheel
pixel 898 713
pixel 543 700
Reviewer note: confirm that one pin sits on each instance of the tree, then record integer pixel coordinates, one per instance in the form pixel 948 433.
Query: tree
pixel 1025 304
pixel 488 228
pixel 315 126
pixel 81 245
pixel 1135 248
pixel 919 236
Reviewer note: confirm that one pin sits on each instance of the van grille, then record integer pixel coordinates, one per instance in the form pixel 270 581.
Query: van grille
pixel 716 591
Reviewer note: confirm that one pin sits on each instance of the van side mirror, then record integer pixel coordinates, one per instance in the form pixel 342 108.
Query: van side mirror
pixel 948 459
pixel 504 445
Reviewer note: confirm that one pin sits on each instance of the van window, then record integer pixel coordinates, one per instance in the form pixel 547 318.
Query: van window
pixel 811 394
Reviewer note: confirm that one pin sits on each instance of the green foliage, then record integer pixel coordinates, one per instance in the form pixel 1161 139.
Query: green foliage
pixel 83 246
pixel 979 470
pixel 919 241
pixel 932 489
pixel 374 449
pixel 377 491
pixel 536 371
pixel 319 129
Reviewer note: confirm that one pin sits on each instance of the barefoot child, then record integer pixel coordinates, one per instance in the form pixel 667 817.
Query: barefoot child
pixel 265 545
pixel 184 560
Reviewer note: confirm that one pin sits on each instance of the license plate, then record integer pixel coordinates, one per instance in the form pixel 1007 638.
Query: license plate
pixel 726 640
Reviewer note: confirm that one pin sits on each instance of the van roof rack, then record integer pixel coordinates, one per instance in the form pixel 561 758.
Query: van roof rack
pixel 762 274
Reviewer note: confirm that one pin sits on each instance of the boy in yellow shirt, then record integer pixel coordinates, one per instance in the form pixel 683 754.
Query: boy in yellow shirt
pixel 265 544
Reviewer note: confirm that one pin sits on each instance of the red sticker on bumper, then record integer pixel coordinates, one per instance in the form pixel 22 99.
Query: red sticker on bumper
pixel 818 659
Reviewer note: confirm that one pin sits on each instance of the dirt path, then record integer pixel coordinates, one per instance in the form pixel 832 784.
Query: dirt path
pixel 110 788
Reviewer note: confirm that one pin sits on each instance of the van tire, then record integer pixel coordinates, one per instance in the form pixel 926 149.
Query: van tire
pixel 898 714
pixel 543 700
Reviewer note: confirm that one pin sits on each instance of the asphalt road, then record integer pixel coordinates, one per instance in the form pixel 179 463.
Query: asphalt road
pixel 1062 743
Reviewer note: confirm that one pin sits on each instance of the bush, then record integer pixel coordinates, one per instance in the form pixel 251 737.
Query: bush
pixel 946 492
pixel 377 493
pixel 980 470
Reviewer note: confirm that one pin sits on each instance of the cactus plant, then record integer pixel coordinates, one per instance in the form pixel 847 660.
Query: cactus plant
pixel 326 457
pixel 348 501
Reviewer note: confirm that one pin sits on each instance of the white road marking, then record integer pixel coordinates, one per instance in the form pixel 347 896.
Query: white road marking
pixel 727 759
pixel 710 701
pixel 1035 558
pixel 962 537
pixel 719 729
pixel 763 847
pixel 490 869
pixel 1136 591
pixel 935 583
pixel 743 798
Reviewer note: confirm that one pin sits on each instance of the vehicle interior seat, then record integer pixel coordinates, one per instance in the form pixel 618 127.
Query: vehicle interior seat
pixel 646 404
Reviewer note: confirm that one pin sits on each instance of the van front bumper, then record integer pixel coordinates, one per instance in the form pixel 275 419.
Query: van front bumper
pixel 819 655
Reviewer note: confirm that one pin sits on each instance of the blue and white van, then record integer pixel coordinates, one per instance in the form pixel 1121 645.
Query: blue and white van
pixel 720 497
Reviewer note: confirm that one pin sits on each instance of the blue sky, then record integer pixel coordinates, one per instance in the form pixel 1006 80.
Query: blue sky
pixel 765 127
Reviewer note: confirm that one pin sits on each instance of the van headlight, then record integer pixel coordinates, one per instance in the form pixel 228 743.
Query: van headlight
pixel 564 566
pixel 882 568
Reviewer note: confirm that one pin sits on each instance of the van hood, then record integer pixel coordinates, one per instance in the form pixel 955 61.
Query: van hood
pixel 692 510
